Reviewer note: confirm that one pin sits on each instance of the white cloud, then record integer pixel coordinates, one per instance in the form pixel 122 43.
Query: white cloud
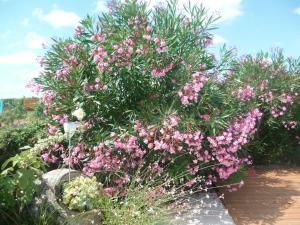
pixel 25 22
pixel 19 76
pixel 15 90
pixel 297 10
pixel 227 9
pixel 58 18
pixel 32 74
pixel 218 39
pixel 101 6
pixel 34 41
pixel 22 57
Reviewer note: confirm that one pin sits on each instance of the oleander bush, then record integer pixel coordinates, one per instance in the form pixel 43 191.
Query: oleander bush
pixel 156 113
pixel 271 81
pixel 147 92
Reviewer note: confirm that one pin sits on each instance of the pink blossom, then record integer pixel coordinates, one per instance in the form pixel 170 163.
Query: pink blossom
pixel 148 28
pixel 246 93
pixel 189 92
pixel 147 37
pixel 78 31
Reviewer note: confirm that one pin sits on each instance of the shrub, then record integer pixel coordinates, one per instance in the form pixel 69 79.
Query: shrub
pixel 12 139
pixel 154 97
pixel 274 83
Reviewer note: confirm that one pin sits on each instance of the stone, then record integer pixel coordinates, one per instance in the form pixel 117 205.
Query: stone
pixel 50 195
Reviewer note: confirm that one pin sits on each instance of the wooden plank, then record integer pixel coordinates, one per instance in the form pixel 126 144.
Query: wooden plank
pixel 269 196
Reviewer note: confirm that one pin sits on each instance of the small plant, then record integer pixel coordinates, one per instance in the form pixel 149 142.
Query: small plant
pixel 82 193
pixel 18 179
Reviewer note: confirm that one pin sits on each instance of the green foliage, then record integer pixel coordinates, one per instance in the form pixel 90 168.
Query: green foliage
pixel 275 145
pixel 18 176
pixel 19 180
pixel 13 111
pixel 12 139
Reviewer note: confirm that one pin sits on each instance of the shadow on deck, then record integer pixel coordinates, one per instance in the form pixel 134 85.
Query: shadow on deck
pixel 269 196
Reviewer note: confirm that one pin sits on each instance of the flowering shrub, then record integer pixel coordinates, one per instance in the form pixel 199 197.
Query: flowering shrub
pixel 149 95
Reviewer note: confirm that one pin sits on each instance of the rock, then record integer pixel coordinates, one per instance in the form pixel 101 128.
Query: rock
pixel 50 194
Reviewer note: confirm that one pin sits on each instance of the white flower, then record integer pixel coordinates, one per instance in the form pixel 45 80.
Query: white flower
pixel 79 113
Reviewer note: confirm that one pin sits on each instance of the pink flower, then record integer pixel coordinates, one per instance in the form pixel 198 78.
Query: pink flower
pixel 189 92
pixel 246 93
pixel 147 37
pixel 120 50
pixel 78 31
pixel 208 42
pixel 148 28
pixel 163 43
pixel 205 117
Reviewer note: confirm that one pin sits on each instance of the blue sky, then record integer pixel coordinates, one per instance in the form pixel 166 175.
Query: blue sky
pixel 248 25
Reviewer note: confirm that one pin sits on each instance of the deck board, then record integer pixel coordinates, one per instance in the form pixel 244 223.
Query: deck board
pixel 269 196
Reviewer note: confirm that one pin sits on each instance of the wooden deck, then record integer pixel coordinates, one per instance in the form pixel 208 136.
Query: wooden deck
pixel 269 196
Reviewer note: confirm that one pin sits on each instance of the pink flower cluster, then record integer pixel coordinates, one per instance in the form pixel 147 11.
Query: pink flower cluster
pixel 60 119
pixel 52 129
pixel 208 42
pixel 246 93
pixel 78 31
pixel 169 140
pixel 267 97
pixel 71 46
pixel 51 155
pixel 287 99
pixel 96 86
pixel 278 111
pixel 63 73
pixel 225 147
pixel 34 87
pixel 160 45
pixel 98 37
pixel 122 54
pixel 162 72
pixel 289 125
pixel 205 117
pixel 108 157
pixel 47 100
pixel 126 154
pixel 77 154
pixel 100 58
pixel 71 62
pixel 190 91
